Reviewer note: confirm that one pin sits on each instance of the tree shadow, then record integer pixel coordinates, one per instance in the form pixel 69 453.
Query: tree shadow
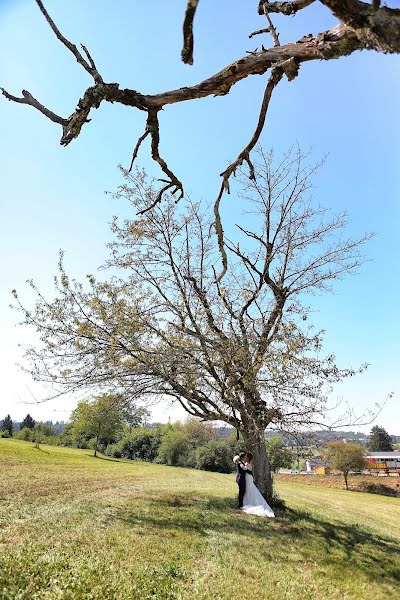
pixel 104 458
pixel 332 543
pixel 41 450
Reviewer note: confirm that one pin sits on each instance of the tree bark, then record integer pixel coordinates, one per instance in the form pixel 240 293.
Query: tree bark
pixel 95 445
pixel 255 443
pixel 345 479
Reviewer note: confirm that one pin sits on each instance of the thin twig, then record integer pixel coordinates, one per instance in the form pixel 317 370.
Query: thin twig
pixel 271 27
pixel 259 31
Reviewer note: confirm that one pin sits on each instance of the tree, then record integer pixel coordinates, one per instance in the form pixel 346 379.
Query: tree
pixel 8 425
pixel 380 440
pixel 26 434
pixel 141 444
pixel 360 26
pixel 215 456
pixel 135 416
pixel 234 346
pixel 198 432
pixel 175 449
pixel 100 419
pixel 39 432
pixel 345 457
pixel 28 422
pixel 279 455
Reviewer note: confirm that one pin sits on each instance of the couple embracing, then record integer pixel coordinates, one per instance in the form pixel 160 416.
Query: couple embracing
pixel 251 501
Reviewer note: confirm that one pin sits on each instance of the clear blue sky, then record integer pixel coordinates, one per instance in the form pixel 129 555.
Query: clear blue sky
pixel 53 197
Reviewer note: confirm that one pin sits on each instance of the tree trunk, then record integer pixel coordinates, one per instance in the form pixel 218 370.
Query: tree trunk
pixel 95 446
pixel 345 479
pixel 255 443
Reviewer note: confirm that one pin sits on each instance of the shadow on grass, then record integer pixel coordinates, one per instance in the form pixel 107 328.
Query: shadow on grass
pixel 41 450
pixel 106 458
pixel 292 537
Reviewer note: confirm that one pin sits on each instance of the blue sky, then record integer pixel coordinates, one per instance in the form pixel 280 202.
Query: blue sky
pixel 53 197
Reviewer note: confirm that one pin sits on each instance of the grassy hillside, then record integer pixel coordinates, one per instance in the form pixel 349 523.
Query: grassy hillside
pixel 76 527
pixel 359 483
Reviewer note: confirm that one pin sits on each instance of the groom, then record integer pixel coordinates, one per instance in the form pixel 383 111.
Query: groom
pixel 240 461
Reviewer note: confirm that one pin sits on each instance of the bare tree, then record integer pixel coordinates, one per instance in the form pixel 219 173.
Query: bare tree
pixel 241 352
pixel 361 26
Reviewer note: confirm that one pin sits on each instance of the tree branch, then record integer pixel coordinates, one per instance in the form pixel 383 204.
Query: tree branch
pixel 271 27
pixel 273 81
pixel 285 8
pixel 364 26
pixel 187 50
pixel 136 150
pixel 173 182
pixel 89 67
pixel 377 28
pixel 29 99
pixel 339 41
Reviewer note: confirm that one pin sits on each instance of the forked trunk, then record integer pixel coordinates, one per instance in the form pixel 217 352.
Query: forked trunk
pixel 255 443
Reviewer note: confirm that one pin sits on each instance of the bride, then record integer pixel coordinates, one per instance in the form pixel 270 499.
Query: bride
pixel 253 501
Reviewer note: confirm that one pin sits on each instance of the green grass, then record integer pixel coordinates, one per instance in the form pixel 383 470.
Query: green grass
pixel 74 527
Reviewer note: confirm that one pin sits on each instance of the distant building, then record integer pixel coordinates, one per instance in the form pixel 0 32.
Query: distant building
pixel 387 463
pixel 317 466
pixel 322 470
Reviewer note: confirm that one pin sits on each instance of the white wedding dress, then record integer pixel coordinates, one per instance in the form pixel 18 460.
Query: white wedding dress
pixel 253 501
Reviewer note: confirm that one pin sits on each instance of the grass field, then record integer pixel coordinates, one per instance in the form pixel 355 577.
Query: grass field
pixel 359 483
pixel 76 527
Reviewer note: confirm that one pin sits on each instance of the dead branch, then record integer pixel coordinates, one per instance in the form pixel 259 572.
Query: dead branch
pixel 89 67
pixel 27 98
pixel 273 81
pixel 136 150
pixel 220 233
pixel 271 28
pixel 258 32
pixel 187 50
pixel 285 8
pixel 173 182
pixel 362 25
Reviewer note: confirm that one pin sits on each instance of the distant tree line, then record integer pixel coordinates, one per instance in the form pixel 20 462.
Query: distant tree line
pixel 111 426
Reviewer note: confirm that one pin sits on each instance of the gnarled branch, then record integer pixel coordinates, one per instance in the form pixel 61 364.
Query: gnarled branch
pixel 285 8
pixel 173 182
pixel 362 25
pixel 187 50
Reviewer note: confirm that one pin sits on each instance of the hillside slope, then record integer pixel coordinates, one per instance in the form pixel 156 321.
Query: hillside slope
pixel 75 527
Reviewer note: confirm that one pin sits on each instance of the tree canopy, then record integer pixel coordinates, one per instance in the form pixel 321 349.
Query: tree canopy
pixel 7 425
pixel 28 422
pixel 241 351
pixel 380 440
pixel 345 457
pixel 99 419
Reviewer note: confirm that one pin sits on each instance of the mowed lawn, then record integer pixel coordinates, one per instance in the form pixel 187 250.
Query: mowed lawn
pixel 77 527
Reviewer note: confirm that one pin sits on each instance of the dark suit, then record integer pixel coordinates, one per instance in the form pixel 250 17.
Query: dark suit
pixel 241 481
